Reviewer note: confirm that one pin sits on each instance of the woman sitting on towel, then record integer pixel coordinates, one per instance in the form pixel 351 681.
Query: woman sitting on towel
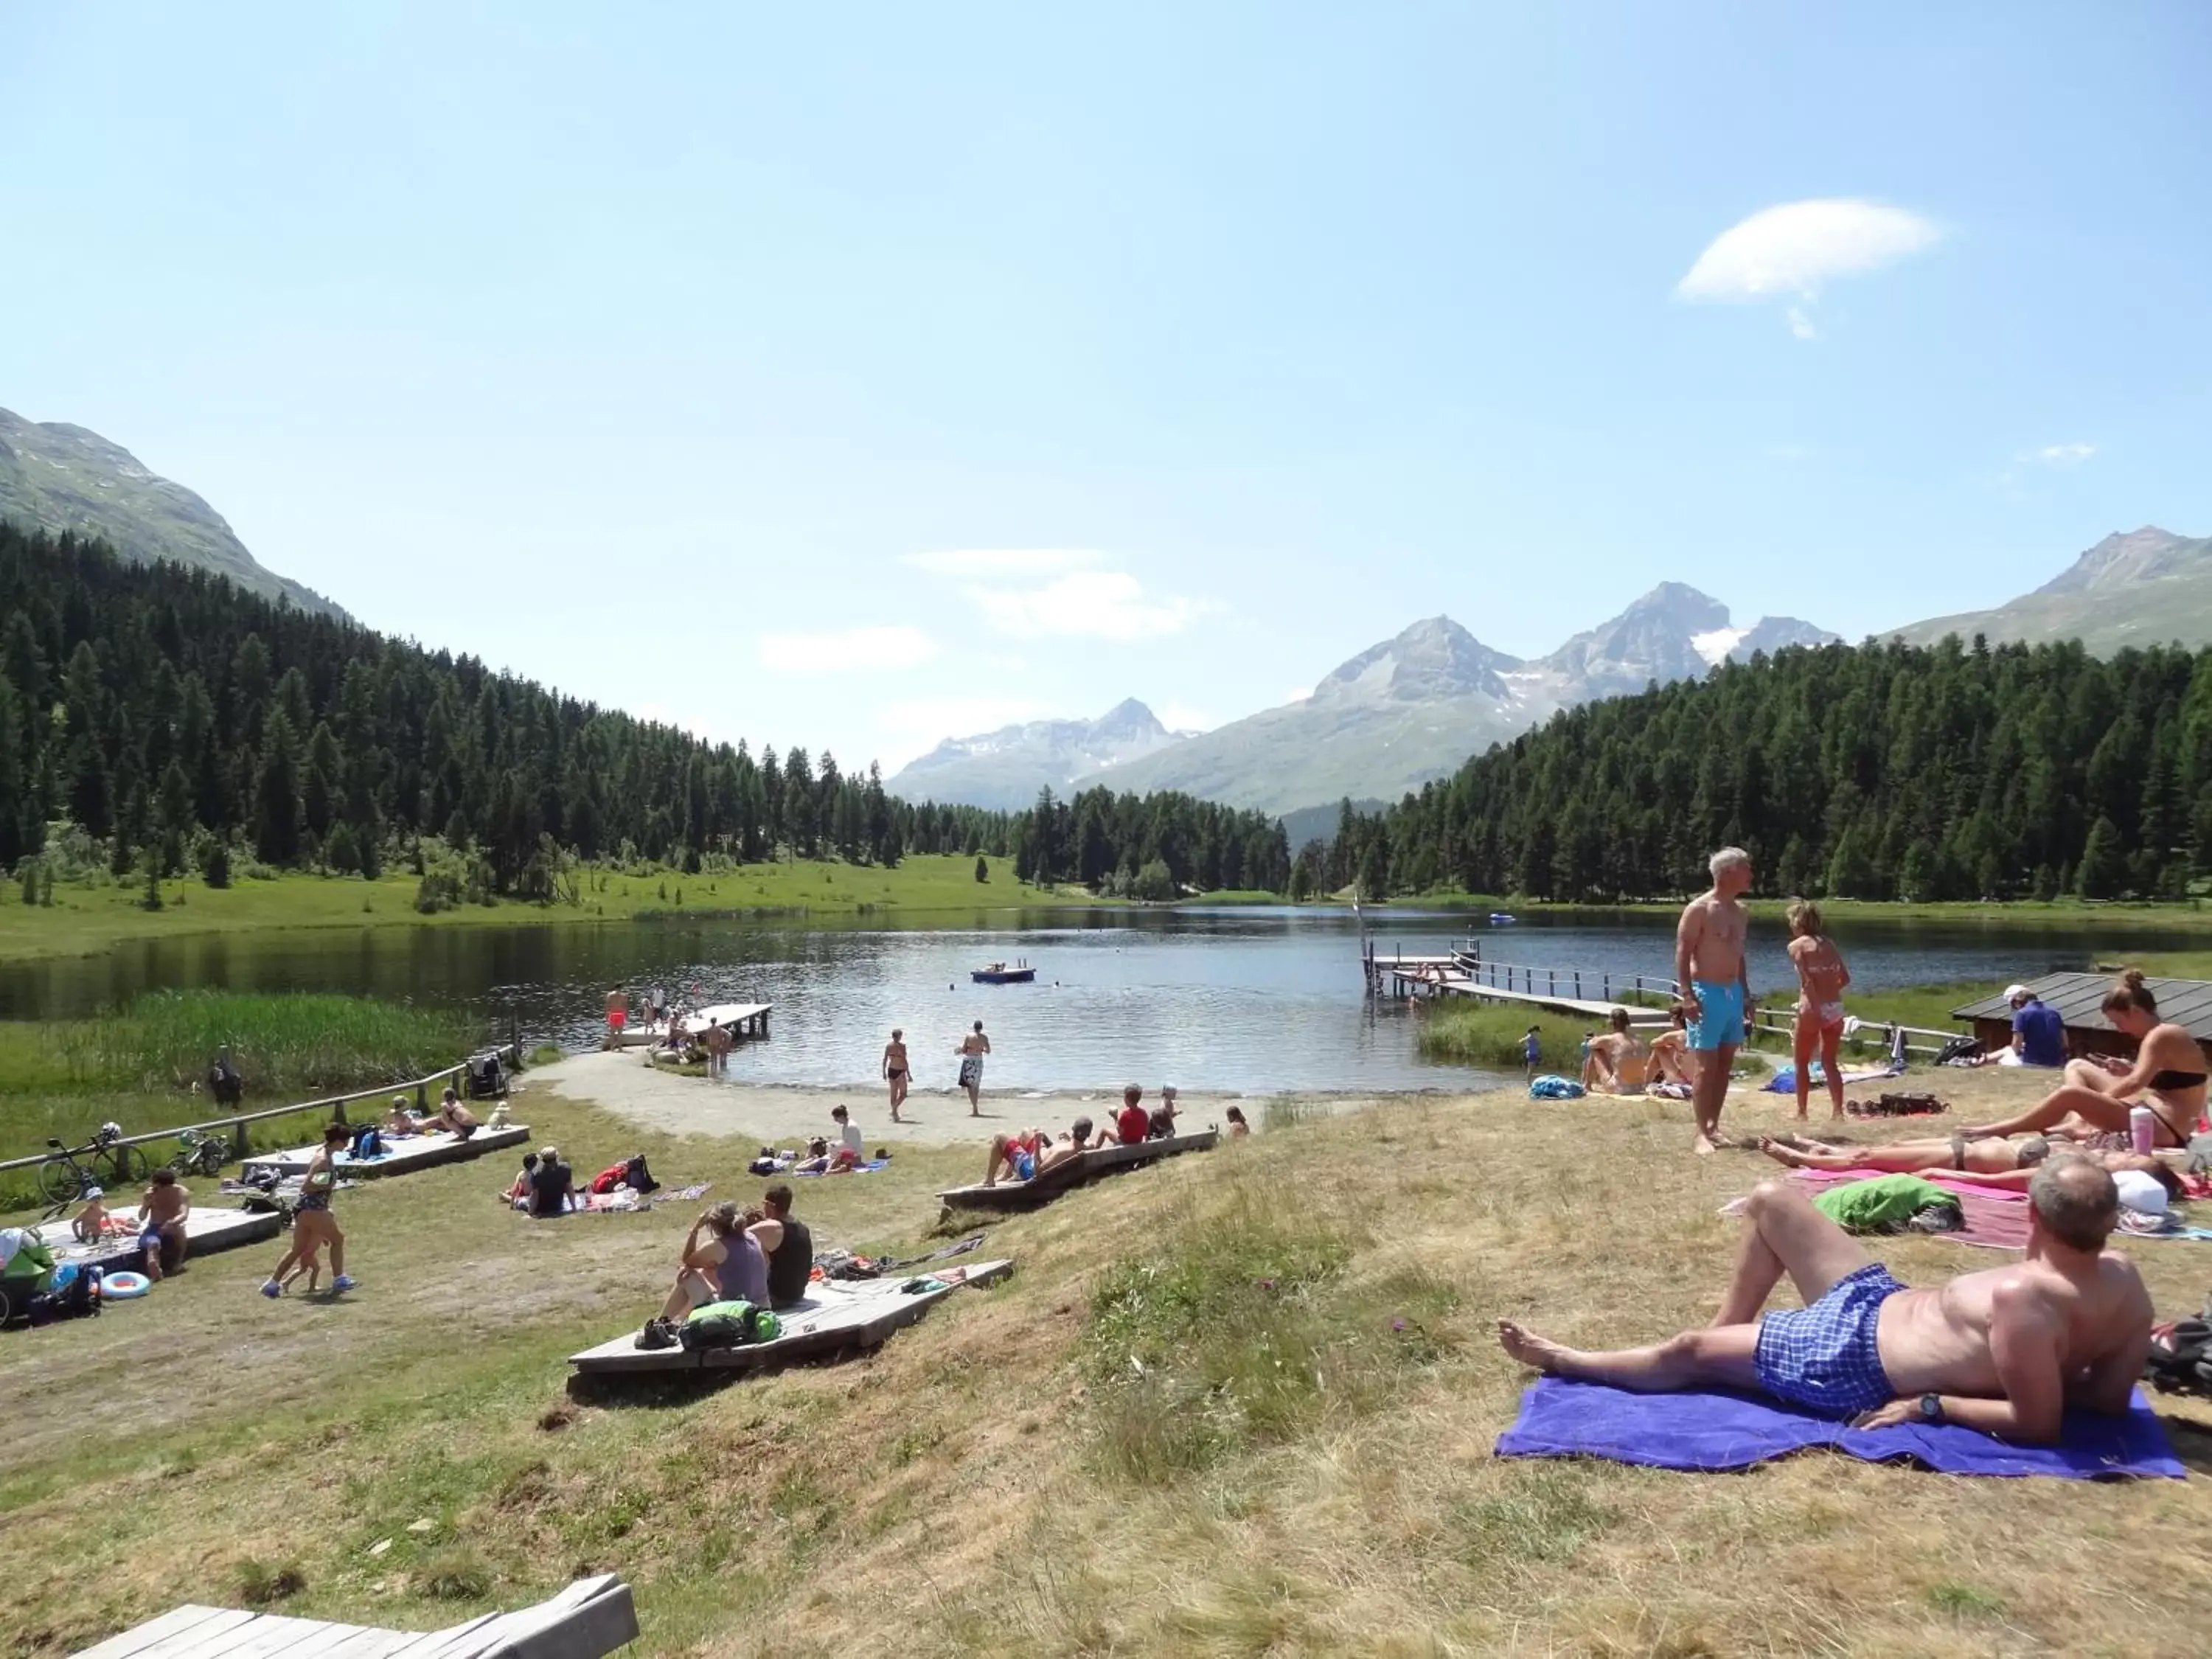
pixel 1619 1061
pixel 1988 1162
pixel 2091 1105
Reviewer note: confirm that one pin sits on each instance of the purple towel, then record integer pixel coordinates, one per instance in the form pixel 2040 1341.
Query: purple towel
pixel 1722 1431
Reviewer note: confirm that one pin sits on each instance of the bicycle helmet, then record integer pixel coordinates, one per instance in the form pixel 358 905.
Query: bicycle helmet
pixel 111 1132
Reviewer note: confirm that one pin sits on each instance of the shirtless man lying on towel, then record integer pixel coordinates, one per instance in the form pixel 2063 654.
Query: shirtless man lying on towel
pixel 2005 1351
pixel 1990 1161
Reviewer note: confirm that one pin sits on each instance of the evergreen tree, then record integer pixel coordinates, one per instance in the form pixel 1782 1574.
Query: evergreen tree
pixel 277 811
pixel 2104 868
pixel 982 868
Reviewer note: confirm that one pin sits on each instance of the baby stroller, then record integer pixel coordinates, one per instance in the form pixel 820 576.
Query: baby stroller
pixel 487 1077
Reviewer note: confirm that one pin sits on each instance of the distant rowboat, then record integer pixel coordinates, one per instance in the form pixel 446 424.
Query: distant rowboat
pixel 1503 919
pixel 999 974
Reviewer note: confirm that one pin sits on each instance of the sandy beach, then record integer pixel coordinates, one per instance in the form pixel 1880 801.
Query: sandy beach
pixel 784 1114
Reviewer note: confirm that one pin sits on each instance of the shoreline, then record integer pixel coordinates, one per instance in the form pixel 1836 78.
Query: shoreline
pixel 788 1114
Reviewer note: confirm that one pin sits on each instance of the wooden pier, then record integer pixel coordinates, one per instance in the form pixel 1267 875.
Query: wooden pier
pixel 1592 993
pixel 744 1021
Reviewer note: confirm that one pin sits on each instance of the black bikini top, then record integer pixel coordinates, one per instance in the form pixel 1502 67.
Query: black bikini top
pixel 2168 1083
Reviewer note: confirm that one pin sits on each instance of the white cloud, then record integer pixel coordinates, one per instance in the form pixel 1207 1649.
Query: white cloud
pixel 2063 454
pixel 1799 246
pixel 852 650
pixel 973 563
pixel 1096 605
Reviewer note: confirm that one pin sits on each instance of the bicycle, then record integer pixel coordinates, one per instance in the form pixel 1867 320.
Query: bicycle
pixel 199 1154
pixel 108 1162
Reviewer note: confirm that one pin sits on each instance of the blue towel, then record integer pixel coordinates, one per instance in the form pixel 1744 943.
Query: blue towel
pixel 1723 1431
pixel 1548 1087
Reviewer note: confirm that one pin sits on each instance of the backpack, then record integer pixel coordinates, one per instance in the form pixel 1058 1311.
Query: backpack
pixel 728 1325
pixel 367 1142
pixel 635 1175
pixel 609 1178
pixel 1958 1048
pixel 2180 1361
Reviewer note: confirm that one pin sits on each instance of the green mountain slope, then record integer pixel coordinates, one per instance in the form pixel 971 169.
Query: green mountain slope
pixel 59 477
pixel 2147 587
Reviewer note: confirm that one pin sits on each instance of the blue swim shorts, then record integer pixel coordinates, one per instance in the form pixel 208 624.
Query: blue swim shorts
pixel 1825 1357
pixel 1719 1023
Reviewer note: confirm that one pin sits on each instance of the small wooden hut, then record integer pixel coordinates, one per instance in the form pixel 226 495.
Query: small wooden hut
pixel 2078 999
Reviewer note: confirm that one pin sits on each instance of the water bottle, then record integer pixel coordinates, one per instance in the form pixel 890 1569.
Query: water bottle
pixel 2142 1126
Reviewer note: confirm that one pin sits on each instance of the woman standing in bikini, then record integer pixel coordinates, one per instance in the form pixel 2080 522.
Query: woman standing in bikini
pixel 1821 978
pixel 2168 1076
pixel 313 1226
pixel 895 1071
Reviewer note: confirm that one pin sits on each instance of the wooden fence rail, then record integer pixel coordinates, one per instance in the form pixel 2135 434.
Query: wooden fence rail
pixel 236 1122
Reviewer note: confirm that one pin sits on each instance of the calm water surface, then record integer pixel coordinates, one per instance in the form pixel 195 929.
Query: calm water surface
pixel 1232 999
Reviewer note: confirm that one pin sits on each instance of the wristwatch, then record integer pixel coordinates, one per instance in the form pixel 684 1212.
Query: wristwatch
pixel 1931 1408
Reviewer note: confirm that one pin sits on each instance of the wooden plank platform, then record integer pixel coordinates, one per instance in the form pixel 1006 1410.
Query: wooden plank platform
pixel 837 1313
pixel 1411 977
pixel 210 1228
pixel 590 1618
pixel 745 1020
pixel 408 1153
pixel 1075 1172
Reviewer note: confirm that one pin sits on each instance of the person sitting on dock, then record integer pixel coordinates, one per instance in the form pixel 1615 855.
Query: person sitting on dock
pixel 728 1265
pixel 401 1119
pixel 89 1225
pixel 1133 1122
pixel 788 1245
pixel 2167 1079
pixel 1619 1061
pixel 163 1211
pixel 2005 1351
pixel 1988 1162
pixel 1028 1155
pixel 455 1118
pixel 1162 1126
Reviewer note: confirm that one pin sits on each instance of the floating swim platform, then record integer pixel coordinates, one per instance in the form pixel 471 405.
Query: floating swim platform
pixel 1075 1172
pixel 402 1154
pixel 837 1315
pixel 1002 975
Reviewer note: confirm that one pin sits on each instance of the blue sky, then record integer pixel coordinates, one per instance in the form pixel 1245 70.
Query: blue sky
pixel 856 381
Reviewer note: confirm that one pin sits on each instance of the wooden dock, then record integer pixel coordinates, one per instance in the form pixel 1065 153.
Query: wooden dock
pixel 1012 1194
pixel 214 1227
pixel 408 1153
pixel 1590 993
pixel 838 1314
pixel 745 1021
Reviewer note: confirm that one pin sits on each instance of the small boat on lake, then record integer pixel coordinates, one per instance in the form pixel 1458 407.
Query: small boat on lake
pixel 1503 919
pixel 1000 974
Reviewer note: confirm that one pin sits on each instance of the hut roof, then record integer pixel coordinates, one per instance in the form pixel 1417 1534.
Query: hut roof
pixel 2078 999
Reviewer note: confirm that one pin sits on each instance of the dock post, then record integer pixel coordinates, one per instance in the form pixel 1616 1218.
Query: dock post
pixel 237 1146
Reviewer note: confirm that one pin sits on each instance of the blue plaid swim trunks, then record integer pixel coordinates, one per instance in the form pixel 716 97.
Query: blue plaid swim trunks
pixel 1824 1358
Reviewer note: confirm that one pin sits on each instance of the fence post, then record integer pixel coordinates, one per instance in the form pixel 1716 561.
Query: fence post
pixel 238 1138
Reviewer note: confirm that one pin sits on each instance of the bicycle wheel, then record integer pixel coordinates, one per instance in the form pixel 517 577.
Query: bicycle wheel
pixel 210 1155
pixel 61 1180
pixel 130 1164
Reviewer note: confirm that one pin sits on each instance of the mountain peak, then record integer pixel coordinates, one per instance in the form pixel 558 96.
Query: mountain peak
pixel 1434 657
pixel 1005 768
pixel 2129 556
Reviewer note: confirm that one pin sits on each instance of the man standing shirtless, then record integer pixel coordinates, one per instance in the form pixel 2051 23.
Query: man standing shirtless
pixel 972 1048
pixel 1709 965
pixel 2005 1351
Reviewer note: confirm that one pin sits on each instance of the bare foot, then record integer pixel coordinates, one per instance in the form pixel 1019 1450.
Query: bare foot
pixel 1837 1116
pixel 1537 1352
pixel 1780 1153
pixel 1703 1145
pixel 1800 1115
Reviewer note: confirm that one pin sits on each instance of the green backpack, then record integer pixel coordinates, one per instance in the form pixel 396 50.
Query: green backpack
pixel 729 1325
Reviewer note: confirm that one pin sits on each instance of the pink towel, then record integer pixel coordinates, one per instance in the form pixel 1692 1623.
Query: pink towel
pixel 1996 1218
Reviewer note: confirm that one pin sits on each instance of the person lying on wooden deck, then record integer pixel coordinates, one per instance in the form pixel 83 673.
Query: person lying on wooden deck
pixel 1030 1153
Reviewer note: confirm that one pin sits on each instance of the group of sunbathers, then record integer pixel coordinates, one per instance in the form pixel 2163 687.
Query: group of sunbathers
pixel 159 1225
pixel 1028 1153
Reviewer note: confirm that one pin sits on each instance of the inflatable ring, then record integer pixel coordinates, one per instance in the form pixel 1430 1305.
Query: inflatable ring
pixel 122 1286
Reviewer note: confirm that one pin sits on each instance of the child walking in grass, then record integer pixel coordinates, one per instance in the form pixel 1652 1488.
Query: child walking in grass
pixel 1531 1052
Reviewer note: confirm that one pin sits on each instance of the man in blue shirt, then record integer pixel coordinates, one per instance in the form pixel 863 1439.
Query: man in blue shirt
pixel 2038 1034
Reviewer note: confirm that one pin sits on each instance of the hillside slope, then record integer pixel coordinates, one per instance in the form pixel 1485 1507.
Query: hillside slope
pixel 60 477
pixel 2147 587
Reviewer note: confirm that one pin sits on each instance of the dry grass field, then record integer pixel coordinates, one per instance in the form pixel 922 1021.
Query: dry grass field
pixel 1240 1404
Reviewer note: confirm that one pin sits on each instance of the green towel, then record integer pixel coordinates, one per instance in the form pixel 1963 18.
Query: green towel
pixel 1882 1204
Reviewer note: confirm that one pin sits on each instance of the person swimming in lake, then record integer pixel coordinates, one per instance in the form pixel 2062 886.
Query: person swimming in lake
pixel 2167 1077
pixel 1822 978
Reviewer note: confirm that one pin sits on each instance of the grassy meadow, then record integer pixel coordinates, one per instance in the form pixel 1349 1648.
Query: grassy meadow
pixel 89 917
pixel 1241 1404
pixel 136 1067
